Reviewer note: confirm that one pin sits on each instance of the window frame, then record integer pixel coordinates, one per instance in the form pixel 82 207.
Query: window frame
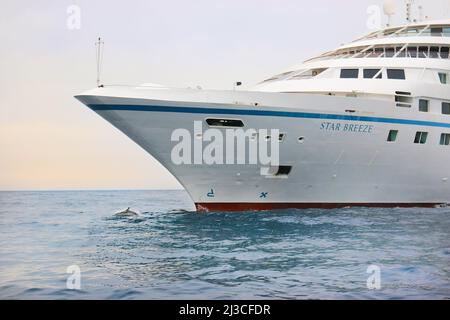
pixel 445 139
pixel 443 77
pixel 447 106
pixel 349 70
pixel 375 73
pixel 427 106
pixel 390 71
pixel 421 137
pixel 392 136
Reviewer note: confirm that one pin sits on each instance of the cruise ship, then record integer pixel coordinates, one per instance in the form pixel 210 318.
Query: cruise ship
pixel 364 125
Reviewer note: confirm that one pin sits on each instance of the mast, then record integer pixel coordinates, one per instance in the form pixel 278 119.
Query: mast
pixel 409 8
pixel 99 44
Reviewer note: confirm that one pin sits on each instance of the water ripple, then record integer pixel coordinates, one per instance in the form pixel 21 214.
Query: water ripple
pixel 170 252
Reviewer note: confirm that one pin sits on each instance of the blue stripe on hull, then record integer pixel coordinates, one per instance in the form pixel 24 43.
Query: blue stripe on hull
pixel 267 113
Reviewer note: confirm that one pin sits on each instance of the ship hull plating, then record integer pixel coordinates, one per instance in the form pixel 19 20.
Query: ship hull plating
pixel 338 159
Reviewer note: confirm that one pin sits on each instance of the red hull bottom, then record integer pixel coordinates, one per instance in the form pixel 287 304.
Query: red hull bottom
pixel 233 207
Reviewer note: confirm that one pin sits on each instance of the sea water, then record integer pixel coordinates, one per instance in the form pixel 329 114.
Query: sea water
pixel 71 245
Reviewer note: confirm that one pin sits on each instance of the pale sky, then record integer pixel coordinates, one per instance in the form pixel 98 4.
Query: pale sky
pixel 48 140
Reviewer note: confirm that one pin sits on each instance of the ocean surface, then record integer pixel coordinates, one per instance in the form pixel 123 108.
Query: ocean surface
pixel 170 252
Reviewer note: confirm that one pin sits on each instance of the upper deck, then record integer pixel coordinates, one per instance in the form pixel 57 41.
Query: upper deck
pixel 439 28
pixel 410 58
pixel 425 40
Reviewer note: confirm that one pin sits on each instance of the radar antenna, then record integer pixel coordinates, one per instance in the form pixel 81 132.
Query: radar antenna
pixel 99 44
pixel 389 10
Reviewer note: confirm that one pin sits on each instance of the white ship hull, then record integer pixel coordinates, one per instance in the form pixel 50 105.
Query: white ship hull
pixel 331 167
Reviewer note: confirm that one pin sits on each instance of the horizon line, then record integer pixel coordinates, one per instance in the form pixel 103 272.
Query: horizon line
pixel 88 189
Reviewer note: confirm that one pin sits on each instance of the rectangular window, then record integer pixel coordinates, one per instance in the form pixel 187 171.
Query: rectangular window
pixel 445 108
pixel 390 52
pixel 398 74
pixel 446 31
pixel 378 52
pixel 392 137
pixel 412 52
pixel 224 123
pixel 434 52
pixel 371 73
pixel 445 139
pixel 445 52
pixel 421 137
pixel 400 53
pixel 423 52
pixel 443 77
pixel 349 73
pixel 436 32
pixel 424 105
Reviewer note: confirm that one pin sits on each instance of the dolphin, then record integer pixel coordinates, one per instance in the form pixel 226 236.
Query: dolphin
pixel 127 213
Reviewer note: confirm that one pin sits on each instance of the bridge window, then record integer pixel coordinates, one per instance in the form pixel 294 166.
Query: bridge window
pixel 410 32
pixel 443 77
pixel 436 32
pixel 424 105
pixel 392 137
pixel 349 73
pixel 445 139
pixel 445 52
pixel 423 52
pixel 400 53
pixel 371 73
pixel 390 52
pixel 445 108
pixel 446 31
pixel 307 74
pixel 378 52
pixel 412 52
pixel 421 137
pixel 434 52
pixel 398 74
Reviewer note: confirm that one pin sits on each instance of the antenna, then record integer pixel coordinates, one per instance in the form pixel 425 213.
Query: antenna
pixel 99 44
pixel 409 5
pixel 420 13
